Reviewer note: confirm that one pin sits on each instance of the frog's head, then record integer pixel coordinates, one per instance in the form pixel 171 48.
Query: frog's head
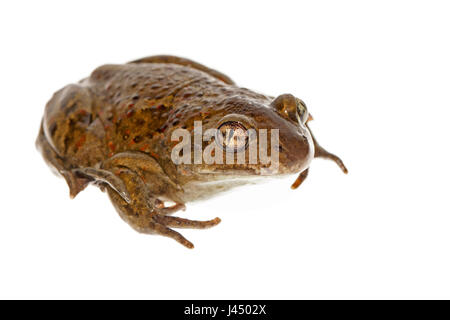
pixel 252 129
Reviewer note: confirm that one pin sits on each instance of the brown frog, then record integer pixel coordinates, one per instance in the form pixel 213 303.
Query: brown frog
pixel 116 129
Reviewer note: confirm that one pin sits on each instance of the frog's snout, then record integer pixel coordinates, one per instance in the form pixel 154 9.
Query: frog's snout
pixel 296 152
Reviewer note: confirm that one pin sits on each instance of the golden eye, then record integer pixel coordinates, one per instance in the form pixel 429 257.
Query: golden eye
pixel 302 112
pixel 232 136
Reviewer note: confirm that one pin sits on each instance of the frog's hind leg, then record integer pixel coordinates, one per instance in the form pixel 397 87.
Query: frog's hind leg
pixel 185 62
pixel 322 153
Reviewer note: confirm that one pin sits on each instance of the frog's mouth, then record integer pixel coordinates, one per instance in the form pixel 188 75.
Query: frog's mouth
pixel 235 172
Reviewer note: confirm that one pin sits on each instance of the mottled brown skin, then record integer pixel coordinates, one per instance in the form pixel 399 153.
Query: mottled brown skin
pixel 114 129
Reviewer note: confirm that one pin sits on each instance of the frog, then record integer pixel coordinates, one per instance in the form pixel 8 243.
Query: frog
pixel 114 129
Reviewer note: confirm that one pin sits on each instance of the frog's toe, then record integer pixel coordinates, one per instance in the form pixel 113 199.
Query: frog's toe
pixel 167 232
pixel 105 176
pixel 177 222
pixel 322 153
pixel 172 209
pixel 161 225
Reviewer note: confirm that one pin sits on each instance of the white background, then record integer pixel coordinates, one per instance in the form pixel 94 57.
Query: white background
pixel 376 77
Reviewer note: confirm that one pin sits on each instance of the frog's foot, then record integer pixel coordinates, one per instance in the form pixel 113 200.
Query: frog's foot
pixel 147 214
pixel 171 209
pixel 164 222
pixel 148 219
pixel 107 177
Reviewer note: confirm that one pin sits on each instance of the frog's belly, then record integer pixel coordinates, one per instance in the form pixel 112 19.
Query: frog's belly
pixel 196 191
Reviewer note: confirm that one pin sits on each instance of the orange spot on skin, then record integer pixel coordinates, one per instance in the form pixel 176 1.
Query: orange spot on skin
pixel 144 147
pixel 80 142
pixel 130 113
pixel 154 155
pixel 111 146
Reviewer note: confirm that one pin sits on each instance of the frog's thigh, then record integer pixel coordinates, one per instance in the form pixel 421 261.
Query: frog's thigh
pixel 185 62
pixel 140 162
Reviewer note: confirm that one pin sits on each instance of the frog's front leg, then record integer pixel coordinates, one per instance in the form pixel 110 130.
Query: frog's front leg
pixel 143 214
pixel 322 153
pixel 144 211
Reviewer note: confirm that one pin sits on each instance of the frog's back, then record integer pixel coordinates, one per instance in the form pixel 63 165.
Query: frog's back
pixel 125 107
pixel 138 102
pixel 146 85
pixel 163 81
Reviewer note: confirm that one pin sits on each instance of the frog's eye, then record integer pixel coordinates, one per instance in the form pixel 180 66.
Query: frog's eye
pixel 302 112
pixel 232 136
pixel 291 108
